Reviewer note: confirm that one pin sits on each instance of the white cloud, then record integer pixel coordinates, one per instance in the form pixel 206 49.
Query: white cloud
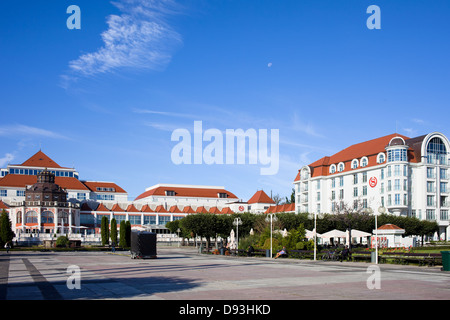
pixel 139 38
pixel 6 159
pixel 23 130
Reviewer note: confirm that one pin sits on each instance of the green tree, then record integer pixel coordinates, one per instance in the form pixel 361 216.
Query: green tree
pixel 6 233
pixel 114 230
pixel 105 230
pixel 122 234
pixel 128 233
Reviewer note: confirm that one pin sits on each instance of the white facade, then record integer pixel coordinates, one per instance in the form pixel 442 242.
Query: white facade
pixel 180 195
pixel 409 177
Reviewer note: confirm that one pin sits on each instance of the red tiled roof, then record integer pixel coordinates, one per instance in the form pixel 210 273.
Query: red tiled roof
pixel 214 210
pixel 174 209
pixel 93 185
pixel 160 208
pixel 201 210
pixel 260 197
pixel 40 160
pixel 117 208
pixel 21 181
pixel 227 210
pixel 102 208
pixel 3 206
pixel 132 208
pixel 389 227
pixel 281 208
pixel 369 149
pixel 188 209
pixel 186 192
pixel 146 208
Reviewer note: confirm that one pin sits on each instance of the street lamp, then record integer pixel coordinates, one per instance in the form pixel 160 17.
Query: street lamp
pixel 381 210
pixel 315 236
pixel 178 231
pixel 271 219
pixel 237 222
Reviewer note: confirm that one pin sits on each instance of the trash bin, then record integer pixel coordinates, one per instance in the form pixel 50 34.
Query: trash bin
pixel 268 253
pixel 445 260
pixel 373 257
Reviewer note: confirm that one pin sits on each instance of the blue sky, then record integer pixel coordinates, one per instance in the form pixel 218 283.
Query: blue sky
pixel 106 99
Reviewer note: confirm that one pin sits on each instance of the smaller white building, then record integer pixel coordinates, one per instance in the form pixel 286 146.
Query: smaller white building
pixel 391 236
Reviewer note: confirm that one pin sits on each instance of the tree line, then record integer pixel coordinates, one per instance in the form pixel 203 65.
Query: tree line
pixel 211 226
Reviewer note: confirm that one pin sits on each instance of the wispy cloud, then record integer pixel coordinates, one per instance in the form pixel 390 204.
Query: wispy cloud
pixel 139 39
pixel 23 130
pixel 6 159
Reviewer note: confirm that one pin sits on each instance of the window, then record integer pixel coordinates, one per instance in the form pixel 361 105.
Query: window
pixel 81 196
pixel 333 168
pixel 364 176
pixel 444 215
pixel 47 217
pixel 341 167
pixel 430 186
pixel 134 219
pixel 3 193
pixel 333 183
pixel 149 219
pixel 163 220
pixel 221 195
pixel 397 155
pixel 333 195
pixel 443 173
pixel 170 193
pixel 430 215
pixel 397 170
pixel 364 190
pixel 354 164
pixel 381 158
pixel 341 181
pixel 436 151
pixel 382 174
pixel 430 201
pixel 355 178
pixel 397 185
pixel 105 197
pixel 397 199
pixel 430 173
pixel 355 191
pixel 341 194
pixel 31 217
pixel 444 187
pixel 364 162
pixel 20 193
pixel 318 196
pixel 119 218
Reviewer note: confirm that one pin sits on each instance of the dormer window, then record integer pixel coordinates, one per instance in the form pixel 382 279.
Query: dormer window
pixel 170 193
pixel 223 195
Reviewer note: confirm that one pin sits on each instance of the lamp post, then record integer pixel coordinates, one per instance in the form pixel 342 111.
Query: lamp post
pixel 381 210
pixel 237 222
pixel 315 236
pixel 271 219
pixel 178 231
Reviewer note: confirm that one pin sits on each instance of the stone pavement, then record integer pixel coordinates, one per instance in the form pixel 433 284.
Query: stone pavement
pixel 183 274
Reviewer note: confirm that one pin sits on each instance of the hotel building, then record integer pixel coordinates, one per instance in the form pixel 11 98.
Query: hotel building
pixel 407 176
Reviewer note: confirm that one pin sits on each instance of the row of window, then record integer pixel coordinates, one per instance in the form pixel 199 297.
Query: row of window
pixel 46 217
pixel 89 219
pixel 34 172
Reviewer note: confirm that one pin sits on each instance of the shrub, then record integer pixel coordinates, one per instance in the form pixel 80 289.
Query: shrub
pixel 62 242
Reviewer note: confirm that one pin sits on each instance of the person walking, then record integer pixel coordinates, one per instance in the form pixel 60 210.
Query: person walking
pixel 7 246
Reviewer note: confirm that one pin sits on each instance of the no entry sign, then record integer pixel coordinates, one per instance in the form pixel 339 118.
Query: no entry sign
pixel 373 182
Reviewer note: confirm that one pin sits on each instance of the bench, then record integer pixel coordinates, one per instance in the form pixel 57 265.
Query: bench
pixel 422 259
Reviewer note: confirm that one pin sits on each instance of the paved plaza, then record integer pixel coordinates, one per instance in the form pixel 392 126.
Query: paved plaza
pixel 183 274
